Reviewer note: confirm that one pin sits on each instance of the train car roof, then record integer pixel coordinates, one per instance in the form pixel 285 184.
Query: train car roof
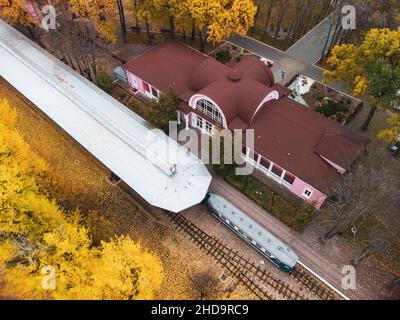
pixel 252 229
pixel 152 164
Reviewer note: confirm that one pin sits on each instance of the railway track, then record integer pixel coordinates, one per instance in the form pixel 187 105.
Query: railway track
pixel 251 276
pixel 313 284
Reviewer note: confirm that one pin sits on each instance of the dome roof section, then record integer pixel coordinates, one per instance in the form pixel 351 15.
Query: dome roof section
pixel 207 72
pixel 252 67
pixel 237 98
pixel 249 97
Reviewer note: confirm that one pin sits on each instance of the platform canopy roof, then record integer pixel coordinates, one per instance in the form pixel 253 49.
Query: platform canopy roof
pixel 152 164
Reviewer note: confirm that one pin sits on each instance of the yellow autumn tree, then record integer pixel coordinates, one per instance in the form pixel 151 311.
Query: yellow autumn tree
pixel 35 232
pixel 16 12
pixel 237 16
pixel 393 132
pixel 218 19
pixel 370 69
pixel 102 13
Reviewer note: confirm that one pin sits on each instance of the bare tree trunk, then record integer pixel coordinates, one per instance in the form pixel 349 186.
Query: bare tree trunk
pixel 193 36
pixel 202 42
pixel 172 26
pixel 122 19
pixel 281 15
pixel 259 6
pixel 148 31
pixel 271 4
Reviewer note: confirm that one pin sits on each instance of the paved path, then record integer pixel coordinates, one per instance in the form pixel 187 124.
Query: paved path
pixel 299 59
pixel 327 269
pixel 310 47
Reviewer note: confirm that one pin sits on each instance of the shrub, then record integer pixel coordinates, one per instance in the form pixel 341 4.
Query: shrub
pixel 223 56
pixel 333 109
pixel 163 110
pixel 103 81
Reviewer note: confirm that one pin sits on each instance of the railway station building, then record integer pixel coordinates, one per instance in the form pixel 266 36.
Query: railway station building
pixel 297 147
pixel 117 137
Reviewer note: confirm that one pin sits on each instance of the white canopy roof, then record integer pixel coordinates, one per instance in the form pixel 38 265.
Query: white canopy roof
pixel 155 166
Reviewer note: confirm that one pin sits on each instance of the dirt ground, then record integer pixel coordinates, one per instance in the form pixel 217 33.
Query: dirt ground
pixel 80 181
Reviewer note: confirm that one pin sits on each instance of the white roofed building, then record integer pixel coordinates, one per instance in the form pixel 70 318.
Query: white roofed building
pixel 152 164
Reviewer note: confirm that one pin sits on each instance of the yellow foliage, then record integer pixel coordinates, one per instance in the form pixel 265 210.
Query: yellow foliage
pixel 222 18
pixel 16 12
pixel 219 18
pixel 348 61
pixel 393 131
pixel 36 232
pixel 101 13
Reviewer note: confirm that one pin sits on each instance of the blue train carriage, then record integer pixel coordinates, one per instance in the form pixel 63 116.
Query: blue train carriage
pixel 250 231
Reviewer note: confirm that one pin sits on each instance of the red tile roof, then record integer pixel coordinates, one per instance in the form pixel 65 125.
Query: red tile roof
pixel 289 134
pixel 294 137
pixel 169 64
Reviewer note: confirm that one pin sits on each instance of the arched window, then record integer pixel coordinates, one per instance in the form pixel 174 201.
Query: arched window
pixel 210 110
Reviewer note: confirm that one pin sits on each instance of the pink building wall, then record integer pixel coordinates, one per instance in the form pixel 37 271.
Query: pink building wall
pixel 139 82
pixel 317 196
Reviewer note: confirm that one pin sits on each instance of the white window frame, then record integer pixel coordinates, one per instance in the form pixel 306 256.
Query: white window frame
pixel 307 190
pixel 154 89
pixel 203 105
pixel 199 120
pixel 208 127
pixel 134 82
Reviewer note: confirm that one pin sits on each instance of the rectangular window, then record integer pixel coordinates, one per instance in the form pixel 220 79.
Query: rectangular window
pixel 154 92
pixel 199 122
pixel 208 127
pixel 289 178
pixel 134 82
pixel 265 163
pixel 277 170
pixel 307 193
pixel 146 87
